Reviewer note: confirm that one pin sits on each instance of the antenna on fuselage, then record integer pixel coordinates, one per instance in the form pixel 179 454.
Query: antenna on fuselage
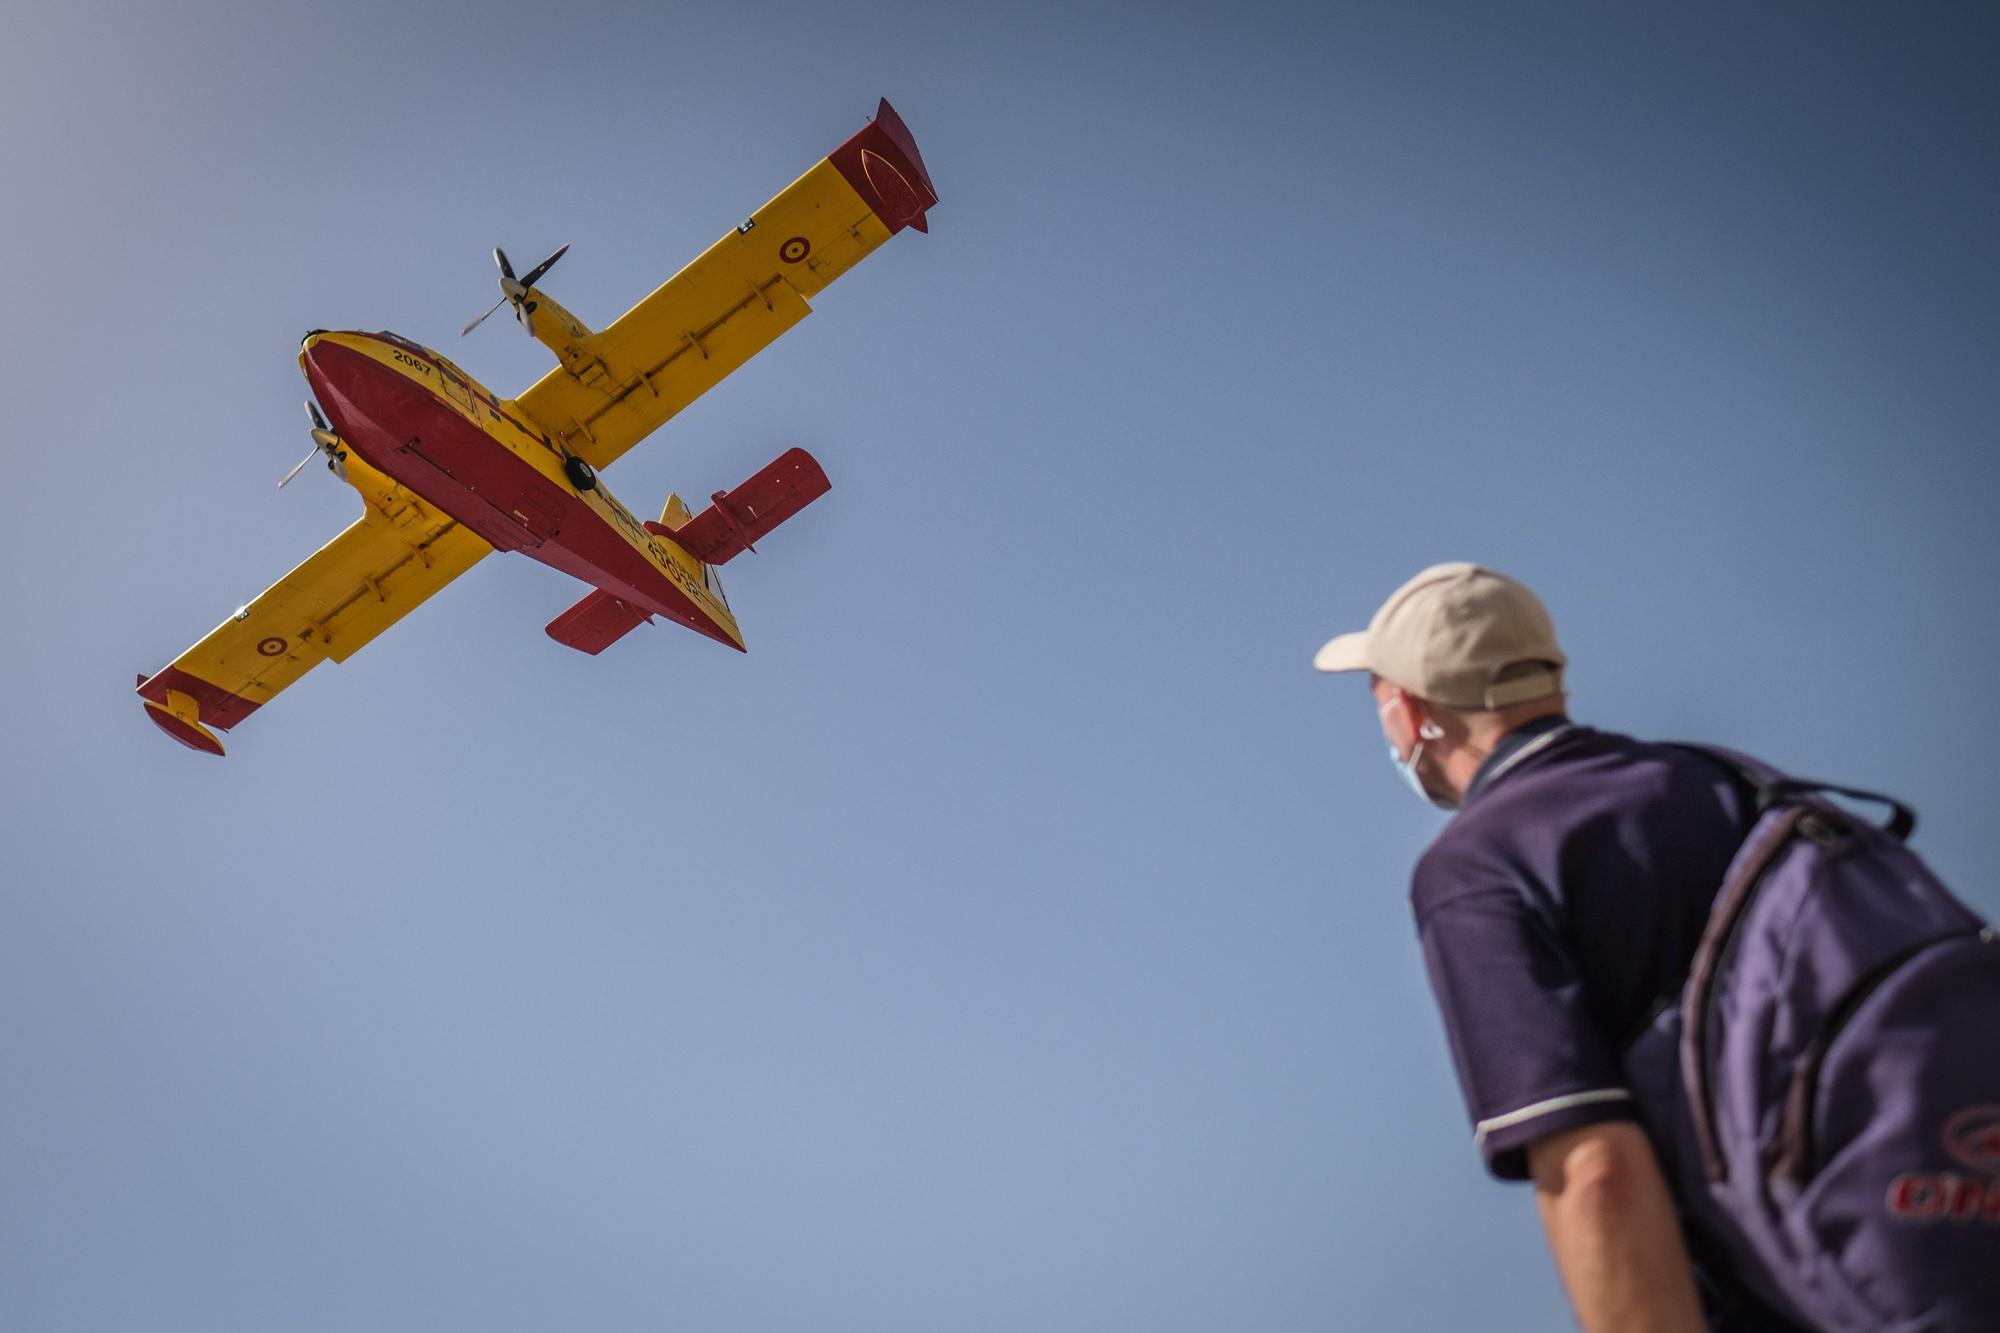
pixel 517 290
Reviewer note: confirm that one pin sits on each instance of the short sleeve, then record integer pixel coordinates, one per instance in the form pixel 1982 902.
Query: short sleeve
pixel 1529 1057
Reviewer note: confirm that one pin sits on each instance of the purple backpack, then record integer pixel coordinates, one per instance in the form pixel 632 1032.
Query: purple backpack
pixel 1825 1093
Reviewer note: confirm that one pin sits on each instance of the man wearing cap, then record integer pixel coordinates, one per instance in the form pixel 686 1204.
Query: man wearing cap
pixel 1562 902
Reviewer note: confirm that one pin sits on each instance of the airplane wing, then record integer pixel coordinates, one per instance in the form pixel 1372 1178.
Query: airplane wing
pixel 617 386
pixel 382 567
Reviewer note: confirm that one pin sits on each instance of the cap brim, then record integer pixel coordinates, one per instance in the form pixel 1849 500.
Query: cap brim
pixel 1347 652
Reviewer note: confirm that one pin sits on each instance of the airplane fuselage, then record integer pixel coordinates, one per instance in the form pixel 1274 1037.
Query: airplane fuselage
pixel 418 419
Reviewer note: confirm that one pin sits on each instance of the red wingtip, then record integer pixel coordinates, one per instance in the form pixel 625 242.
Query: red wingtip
pixel 899 134
pixel 191 734
pixel 217 706
pixel 178 702
pixel 883 165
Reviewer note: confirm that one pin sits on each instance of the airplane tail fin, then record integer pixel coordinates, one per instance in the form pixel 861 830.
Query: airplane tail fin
pixel 674 514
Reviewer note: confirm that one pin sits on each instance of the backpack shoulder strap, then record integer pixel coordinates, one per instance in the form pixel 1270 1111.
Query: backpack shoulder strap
pixel 1775 788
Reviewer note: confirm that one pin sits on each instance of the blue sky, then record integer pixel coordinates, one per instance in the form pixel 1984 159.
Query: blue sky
pixel 1016 937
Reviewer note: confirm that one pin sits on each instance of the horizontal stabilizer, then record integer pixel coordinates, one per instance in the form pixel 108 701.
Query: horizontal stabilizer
pixel 740 518
pixel 596 622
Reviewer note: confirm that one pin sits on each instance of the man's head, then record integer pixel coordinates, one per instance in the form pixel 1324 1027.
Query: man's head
pixel 1457 657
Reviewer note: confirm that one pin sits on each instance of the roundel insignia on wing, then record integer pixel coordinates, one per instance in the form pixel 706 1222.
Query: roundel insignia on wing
pixel 795 249
pixel 272 646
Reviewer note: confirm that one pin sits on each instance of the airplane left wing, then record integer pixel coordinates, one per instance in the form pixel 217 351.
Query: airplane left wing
pixel 388 562
pixel 616 387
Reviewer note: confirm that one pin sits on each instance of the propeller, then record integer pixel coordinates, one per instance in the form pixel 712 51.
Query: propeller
pixel 324 442
pixel 516 289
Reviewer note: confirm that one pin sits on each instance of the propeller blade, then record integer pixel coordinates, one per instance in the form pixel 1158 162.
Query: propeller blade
pixel 310 455
pixel 500 258
pixel 482 319
pixel 312 412
pixel 527 319
pixel 538 270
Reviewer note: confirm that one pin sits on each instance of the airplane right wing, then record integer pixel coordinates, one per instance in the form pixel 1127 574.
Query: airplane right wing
pixel 617 386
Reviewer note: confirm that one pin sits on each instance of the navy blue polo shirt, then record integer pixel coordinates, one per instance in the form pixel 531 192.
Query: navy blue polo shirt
pixel 1556 909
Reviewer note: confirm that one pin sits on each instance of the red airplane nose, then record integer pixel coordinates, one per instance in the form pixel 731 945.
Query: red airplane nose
pixel 352 387
pixel 316 360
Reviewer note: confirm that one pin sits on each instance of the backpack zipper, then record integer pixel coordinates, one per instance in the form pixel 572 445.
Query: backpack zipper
pixel 1791 1151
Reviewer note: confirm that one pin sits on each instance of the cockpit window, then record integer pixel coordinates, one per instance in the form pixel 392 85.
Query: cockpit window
pixel 400 341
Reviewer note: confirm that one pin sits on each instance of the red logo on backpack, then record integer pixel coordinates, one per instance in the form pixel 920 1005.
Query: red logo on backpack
pixel 1972 1135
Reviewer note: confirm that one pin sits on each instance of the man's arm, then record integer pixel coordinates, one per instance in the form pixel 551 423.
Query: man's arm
pixel 1612 1227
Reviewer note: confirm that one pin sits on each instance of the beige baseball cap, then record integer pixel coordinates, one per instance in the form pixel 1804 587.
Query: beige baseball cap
pixel 1460 635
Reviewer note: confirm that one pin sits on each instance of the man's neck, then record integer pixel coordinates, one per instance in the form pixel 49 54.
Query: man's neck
pixel 1486 731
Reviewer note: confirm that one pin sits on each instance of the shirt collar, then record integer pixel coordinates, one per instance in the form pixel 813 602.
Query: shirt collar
pixel 1515 746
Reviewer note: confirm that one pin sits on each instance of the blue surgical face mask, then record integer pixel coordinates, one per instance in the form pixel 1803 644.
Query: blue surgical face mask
pixel 1407 768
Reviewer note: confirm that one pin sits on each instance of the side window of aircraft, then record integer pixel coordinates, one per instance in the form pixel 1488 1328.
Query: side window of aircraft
pixel 400 341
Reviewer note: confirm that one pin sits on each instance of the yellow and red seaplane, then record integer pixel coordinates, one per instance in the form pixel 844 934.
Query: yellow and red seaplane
pixel 448 472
